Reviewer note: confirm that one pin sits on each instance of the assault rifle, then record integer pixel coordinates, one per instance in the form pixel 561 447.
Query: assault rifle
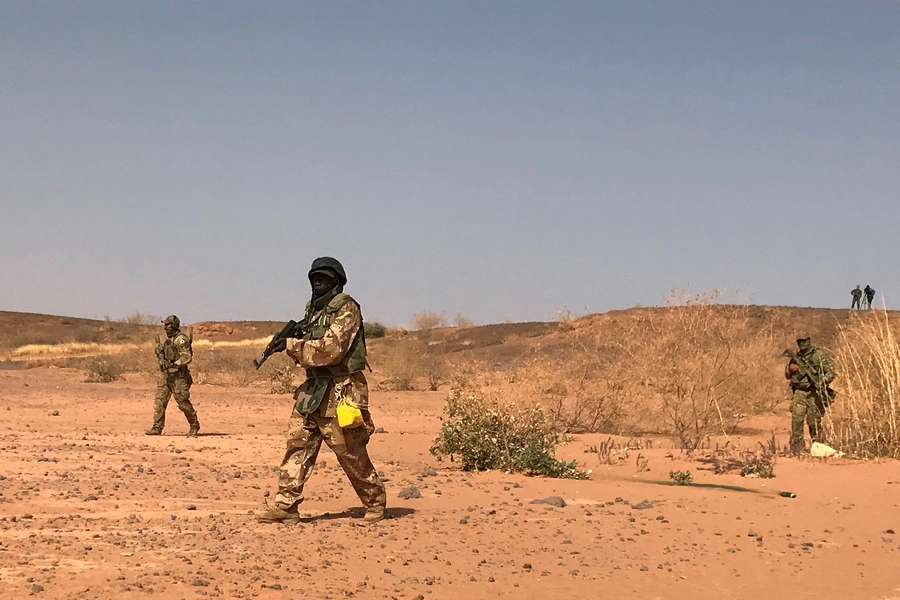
pixel 823 390
pixel 291 329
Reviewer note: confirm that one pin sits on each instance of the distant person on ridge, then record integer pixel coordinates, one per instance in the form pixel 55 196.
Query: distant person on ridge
pixel 857 295
pixel 870 295
pixel 173 356
pixel 330 344
pixel 809 371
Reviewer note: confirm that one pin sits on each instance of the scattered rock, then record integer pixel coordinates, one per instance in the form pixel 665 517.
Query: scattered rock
pixel 200 583
pixel 192 507
pixel 55 413
pixel 551 500
pixel 37 589
pixel 643 505
pixel 409 493
pixel 379 430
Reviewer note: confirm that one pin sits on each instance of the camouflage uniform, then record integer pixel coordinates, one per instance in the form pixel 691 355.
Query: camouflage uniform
pixel 332 350
pixel 856 294
pixel 174 355
pixel 806 401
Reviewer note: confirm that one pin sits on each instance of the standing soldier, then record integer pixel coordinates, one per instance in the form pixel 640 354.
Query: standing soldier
pixel 173 356
pixel 857 295
pixel 870 295
pixel 809 371
pixel 332 348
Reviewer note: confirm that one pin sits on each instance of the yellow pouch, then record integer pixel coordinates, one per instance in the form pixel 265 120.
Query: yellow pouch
pixel 348 414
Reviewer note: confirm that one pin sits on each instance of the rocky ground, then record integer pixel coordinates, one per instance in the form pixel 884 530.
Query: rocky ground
pixel 92 508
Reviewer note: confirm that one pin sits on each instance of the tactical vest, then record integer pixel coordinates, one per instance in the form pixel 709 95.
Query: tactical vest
pixel 309 395
pixel 813 361
pixel 170 351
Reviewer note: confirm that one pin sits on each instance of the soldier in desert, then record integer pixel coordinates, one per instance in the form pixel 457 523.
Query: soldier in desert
pixel 173 356
pixel 330 344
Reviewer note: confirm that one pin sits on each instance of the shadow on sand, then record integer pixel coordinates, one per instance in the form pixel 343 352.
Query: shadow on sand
pixel 357 513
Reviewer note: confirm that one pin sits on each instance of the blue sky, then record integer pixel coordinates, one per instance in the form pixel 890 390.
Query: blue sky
pixel 498 159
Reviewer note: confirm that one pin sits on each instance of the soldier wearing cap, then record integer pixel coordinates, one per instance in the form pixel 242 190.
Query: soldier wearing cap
pixel 332 349
pixel 807 399
pixel 173 356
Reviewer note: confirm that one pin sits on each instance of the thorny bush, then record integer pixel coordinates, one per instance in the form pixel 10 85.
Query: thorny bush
pixel 484 434
pixel 102 369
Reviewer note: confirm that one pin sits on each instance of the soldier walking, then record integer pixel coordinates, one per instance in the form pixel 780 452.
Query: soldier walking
pixel 856 293
pixel 332 349
pixel 810 372
pixel 173 356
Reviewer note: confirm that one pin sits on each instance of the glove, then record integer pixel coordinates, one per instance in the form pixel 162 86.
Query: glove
pixel 279 345
pixel 794 368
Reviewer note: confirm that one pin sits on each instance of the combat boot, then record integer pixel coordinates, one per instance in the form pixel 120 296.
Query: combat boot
pixel 279 515
pixel 194 430
pixel 373 514
pixel 153 431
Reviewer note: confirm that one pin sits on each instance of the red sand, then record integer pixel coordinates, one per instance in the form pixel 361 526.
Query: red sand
pixel 92 508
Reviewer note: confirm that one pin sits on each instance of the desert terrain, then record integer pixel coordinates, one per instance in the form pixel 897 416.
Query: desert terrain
pixel 92 508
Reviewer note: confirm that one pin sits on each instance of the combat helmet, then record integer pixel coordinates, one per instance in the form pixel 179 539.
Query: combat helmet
pixel 326 264
pixel 173 320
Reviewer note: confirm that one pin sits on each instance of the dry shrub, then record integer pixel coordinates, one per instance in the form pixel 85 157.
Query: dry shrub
pixel 402 365
pixel 487 433
pixel 139 318
pixel 759 462
pixel 705 361
pixel 461 320
pixel 228 366
pixel 578 388
pixel 427 319
pixel 374 329
pixel 281 380
pixel 865 419
pixel 102 369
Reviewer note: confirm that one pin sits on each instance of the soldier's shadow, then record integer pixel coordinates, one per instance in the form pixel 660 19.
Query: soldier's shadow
pixel 357 513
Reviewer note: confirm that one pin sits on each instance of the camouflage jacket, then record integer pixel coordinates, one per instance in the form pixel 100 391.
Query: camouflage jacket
pixel 330 350
pixel 821 366
pixel 176 351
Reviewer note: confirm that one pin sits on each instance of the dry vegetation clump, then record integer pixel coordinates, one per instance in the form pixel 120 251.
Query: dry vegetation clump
pixel 864 422
pixel 694 369
pixel 706 363
pixel 102 369
pixel 281 380
pixel 487 433
pixel 461 320
pixel 759 462
pixel 139 318
pixel 428 319
pixel 402 365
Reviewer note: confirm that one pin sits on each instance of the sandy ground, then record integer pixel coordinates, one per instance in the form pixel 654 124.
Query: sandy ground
pixel 92 508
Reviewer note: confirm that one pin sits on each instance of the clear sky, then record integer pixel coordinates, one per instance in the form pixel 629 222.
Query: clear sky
pixel 489 158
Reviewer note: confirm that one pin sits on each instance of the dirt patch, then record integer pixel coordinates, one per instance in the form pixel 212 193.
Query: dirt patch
pixel 92 508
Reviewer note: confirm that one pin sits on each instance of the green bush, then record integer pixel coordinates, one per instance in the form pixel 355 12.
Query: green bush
pixel 374 329
pixel 486 435
pixel 102 369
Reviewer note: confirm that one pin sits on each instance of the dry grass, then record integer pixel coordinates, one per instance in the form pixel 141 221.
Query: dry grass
pixel 428 319
pixel 865 419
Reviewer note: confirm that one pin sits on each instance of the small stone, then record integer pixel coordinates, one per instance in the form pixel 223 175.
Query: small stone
pixel 643 505
pixel 379 430
pixel 55 413
pixel 200 583
pixel 550 500
pixel 491 579
pixel 387 571
pixel 37 589
pixel 410 493
pixel 645 568
pixel 192 507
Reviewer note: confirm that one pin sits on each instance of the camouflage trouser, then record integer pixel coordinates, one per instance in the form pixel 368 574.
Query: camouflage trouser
pixel 855 304
pixel 178 385
pixel 304 439
pixel 805 407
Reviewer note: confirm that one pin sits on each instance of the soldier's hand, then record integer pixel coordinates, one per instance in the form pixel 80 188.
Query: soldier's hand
pixel 279 345
pixel 794 368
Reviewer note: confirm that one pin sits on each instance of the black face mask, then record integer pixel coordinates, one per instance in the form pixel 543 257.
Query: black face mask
pixel 805 346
